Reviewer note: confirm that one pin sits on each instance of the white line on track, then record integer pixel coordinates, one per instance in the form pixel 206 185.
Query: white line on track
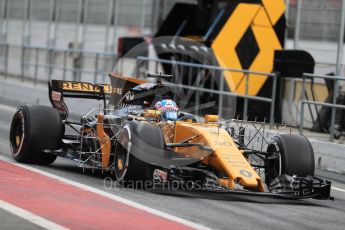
pixel 29 216
pixel 338 189
pixel 113 197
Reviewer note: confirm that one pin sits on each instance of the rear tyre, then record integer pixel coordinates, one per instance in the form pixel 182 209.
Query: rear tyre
pixel 34 129
pixel 295 156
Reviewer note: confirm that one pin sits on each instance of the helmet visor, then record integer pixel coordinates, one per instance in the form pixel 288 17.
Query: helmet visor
pixel 170 115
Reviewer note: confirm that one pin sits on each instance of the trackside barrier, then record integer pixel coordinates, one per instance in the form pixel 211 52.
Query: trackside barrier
pixel 4 56
pixel 64 61
pixel 221 92
pixel 332 105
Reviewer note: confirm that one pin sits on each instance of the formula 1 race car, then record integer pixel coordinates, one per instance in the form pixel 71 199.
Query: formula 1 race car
pixel 141 135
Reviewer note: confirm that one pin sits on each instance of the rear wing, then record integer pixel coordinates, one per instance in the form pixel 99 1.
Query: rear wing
pixel 76 89
pixel 59 89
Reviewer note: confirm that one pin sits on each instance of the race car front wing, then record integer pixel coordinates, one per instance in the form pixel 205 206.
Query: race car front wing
pixel 284 186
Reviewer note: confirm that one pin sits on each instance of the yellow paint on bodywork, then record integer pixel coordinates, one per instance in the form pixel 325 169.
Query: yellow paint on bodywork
pixel 211 118
pixel 225 157
pixel 104 141
pixel 151 113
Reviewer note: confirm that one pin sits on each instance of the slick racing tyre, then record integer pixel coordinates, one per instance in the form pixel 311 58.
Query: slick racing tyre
pixel 292 155
pixel 137 147
pixel 34 129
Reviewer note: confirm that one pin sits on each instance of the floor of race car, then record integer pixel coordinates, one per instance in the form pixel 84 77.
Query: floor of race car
pixel 230 211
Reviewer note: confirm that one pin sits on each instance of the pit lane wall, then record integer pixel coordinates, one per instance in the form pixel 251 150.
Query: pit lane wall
pixel 328 156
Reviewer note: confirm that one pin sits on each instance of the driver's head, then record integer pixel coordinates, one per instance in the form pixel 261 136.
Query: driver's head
pixel 168 109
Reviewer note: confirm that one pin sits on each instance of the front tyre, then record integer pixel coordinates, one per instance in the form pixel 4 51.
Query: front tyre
pixel 139 149
pixel 33 130
pixel 293 155
pixel 128 168
pixel 122 152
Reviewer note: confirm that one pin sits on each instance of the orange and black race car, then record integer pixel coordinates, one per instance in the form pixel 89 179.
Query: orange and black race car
pixel 142 136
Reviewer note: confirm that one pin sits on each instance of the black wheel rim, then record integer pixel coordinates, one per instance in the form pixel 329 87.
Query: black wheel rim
pixel 121 156
pixel 273 168
pixel 17 133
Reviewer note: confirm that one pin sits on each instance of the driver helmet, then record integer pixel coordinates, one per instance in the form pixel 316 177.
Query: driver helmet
pixel 168 109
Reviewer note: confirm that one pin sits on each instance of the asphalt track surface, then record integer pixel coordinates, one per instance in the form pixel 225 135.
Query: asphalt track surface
pixel 215 212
